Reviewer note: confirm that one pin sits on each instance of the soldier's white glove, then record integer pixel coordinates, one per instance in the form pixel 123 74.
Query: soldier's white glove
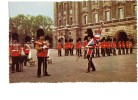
pixel 44 47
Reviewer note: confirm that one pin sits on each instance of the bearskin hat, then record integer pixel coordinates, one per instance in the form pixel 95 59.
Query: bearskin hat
pixel 40 32
pixel 15 36
pixel 27 39
pixel 90 33
pixel 86 38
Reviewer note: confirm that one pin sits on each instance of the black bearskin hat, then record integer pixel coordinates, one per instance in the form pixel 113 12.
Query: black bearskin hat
pixel 90 33
pixel 86 38
pixel 27 39
pixel 15 36
pixel 40 32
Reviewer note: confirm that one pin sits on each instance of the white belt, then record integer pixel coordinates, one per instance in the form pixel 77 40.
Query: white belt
pixel 14 50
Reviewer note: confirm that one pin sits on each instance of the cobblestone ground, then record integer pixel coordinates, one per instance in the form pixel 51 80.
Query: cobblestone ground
pixel 120 68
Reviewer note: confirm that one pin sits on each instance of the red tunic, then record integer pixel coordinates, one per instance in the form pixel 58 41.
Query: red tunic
pixel 119 44
pixel 15 50
pixel 78 45
pixel 59 46
pixel 85 43
pixel 114 45
pixel 26 49
pixel 44 52
pixel 123 44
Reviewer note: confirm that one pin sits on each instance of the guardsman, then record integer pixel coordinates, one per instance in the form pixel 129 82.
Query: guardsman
pixel 103 46
pixel 90 53
pixel 71 47
pixel 84 44
pixel 123 47
pixel 108 48
pixel 42 52
pixel 119 47
pixel 15 50
pixel 27 48
pixel 127 46
pixel 131 47
pixel 59 47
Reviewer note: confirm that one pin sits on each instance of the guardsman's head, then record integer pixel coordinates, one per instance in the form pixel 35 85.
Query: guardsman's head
pixel 15 37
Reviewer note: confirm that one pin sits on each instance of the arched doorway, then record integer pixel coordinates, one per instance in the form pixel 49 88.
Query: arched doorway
pixel 121 36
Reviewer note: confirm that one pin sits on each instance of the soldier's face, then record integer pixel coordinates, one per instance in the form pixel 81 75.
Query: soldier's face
pixel 41 37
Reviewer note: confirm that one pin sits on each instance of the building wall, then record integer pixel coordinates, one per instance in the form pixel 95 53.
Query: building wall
pixel 76 27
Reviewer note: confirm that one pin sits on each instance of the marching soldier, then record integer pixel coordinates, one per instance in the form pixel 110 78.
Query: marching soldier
pixel 59 47
pixel 42 52
pixel 89 53
pixel 103 46
pixel 15 51
pixel 119 47
pixel 27 48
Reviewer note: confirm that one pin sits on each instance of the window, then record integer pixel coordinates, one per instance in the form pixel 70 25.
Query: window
pixel 71 21
pixel 59 7
pixel 70 5
pixel 84 4
pixel 96 17
pixel 135 9
pixel 65 6
pixel 85 19
pixel 107 15
pixel 95 2
pixel 121 13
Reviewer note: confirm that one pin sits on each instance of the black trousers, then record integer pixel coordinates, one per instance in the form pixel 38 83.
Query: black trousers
pixel 90 63
pixel 15 61
pixel 59 52
pixel 97 52
pixel 25 59
pixel 40 61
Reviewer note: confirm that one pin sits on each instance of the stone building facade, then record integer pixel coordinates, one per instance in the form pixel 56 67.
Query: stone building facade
pixel 72 18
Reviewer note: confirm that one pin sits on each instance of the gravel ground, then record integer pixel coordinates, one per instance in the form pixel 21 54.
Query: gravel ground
pixel 120 68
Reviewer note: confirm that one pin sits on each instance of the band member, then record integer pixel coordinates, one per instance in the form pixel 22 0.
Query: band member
pixel 84 44
pixel 123 47
pixel 15 52
pixel 59 47
pixel 42 52
pixel 89 52
pixel 27 48
pixel 131 47
pixel 119 47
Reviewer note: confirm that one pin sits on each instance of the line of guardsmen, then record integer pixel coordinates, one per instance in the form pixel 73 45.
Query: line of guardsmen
pixel 18 53
pixel 103 47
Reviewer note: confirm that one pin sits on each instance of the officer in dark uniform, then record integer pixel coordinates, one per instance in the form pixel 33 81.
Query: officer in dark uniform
pixel 42 52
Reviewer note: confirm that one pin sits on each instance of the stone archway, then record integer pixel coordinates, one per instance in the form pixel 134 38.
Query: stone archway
pixel 121 36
